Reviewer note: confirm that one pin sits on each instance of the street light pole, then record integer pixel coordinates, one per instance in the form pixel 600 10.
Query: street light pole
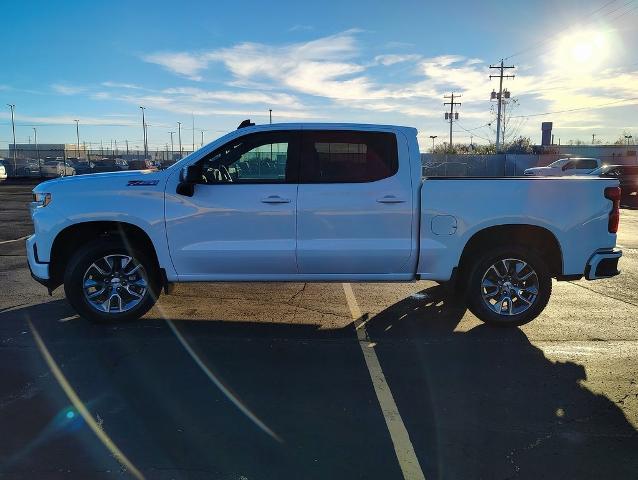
pixel 13 128
pixel 77 136
pixel 37 150
pixel 172 148
pixel 144 132
pixel 270 114
pixel 202 137
pixel 433 137
pixel 179 136
pixel 193 125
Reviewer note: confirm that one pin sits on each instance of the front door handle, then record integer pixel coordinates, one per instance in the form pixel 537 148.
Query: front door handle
pixel 275 199
pixel 390 199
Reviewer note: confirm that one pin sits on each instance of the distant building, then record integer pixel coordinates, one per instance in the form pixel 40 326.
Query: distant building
pixel 44 150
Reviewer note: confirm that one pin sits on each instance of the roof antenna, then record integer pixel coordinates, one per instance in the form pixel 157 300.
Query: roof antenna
pixel 246 123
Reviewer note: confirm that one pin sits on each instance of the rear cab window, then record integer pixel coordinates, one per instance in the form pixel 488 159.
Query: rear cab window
pixel 347 156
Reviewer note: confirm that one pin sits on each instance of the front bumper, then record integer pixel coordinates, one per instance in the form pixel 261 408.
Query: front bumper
pixel 39 271
pixel 603 264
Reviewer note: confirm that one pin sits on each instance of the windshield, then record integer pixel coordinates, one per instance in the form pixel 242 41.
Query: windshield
pixel 558 163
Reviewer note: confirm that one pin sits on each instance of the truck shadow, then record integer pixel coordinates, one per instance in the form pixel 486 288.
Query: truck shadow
pixel 218 398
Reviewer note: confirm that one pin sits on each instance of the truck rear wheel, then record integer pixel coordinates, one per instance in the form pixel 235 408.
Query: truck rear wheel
pixel 508 286
pixel 106 281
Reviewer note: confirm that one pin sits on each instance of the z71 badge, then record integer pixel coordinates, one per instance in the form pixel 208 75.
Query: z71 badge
pixel 141 183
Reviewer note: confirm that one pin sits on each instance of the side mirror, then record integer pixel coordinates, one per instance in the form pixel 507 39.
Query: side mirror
pixel 189 177
pixel 566 166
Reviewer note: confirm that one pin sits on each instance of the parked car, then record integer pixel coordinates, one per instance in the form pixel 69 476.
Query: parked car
pixel 123 164
pixel 147 164
pixel 566 166
pixel 57 168
pixel 627 175
pixel 107 165
pixel 3 171
pixel 82 167
pixel 334 202
pixel 29 167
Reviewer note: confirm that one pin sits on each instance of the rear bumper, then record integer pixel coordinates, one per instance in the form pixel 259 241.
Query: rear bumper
pixel 603 264
pixel 39 271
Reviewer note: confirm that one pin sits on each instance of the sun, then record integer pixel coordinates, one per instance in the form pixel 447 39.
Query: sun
pixel 583 50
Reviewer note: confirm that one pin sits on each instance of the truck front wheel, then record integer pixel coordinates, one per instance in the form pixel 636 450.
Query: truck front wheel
pixel 108 281
pixel 508 286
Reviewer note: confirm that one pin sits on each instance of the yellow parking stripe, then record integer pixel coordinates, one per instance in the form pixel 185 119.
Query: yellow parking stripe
pixel 400 439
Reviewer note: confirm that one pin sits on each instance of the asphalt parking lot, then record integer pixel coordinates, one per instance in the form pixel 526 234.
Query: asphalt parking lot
pixel 252 381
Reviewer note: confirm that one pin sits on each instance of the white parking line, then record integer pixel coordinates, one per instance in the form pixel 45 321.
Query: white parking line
pixel 398 433
pixel 14 240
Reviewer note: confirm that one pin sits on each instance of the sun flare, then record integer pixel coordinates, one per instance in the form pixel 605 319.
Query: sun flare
pixel 582 50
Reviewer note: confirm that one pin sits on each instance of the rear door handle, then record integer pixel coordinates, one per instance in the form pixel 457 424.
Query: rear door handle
pixel 275 199
pixel 390 199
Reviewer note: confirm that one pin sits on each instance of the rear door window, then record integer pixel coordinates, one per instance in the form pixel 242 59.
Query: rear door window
pixel 585 164
pixel 346 156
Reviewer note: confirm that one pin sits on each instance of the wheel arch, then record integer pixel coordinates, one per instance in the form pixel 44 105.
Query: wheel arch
pixel 69 239
pixel 541 239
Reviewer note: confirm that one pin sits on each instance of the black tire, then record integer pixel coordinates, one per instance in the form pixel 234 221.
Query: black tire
pixel 474 288
pixel 92 252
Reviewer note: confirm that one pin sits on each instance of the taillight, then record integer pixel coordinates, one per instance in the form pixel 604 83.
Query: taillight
pixel 613 194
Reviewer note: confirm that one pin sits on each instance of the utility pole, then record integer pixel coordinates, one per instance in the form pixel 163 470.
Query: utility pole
pixel 202 138
pixel 13 128
pixel 126 148
pixel 179 136
pixel 77 136
pixel 144 132
pixel 116 151
pixel 37 150
pixel 451 115
pixel 593 138
pixel 433 137
pixel 500 76
pixel 193 125
pixel 506 95
pixel 101 147
pixel 172 148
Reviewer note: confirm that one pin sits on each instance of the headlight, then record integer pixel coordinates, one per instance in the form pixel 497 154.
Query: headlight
pixel 41 199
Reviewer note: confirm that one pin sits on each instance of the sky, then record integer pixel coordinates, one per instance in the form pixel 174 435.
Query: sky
pixel 213 64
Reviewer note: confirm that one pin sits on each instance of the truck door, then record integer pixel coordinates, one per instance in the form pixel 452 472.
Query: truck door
pixel 355 203
pixel 241 219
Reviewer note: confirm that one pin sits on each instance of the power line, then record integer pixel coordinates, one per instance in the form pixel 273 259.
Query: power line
pixel 576 109
pixel 475 134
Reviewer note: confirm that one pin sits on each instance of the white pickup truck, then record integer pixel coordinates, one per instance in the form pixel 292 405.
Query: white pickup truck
pixel 318 203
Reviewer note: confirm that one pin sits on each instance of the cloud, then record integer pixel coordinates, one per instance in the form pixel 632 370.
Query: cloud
pixel 182 63
pixel 69 120
pixel 391 59
pixel 130 86
pixel 301 28
pixel 65 89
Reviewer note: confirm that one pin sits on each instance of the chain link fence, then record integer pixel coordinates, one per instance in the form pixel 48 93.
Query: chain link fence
pixel 501 165
pixel 51 162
